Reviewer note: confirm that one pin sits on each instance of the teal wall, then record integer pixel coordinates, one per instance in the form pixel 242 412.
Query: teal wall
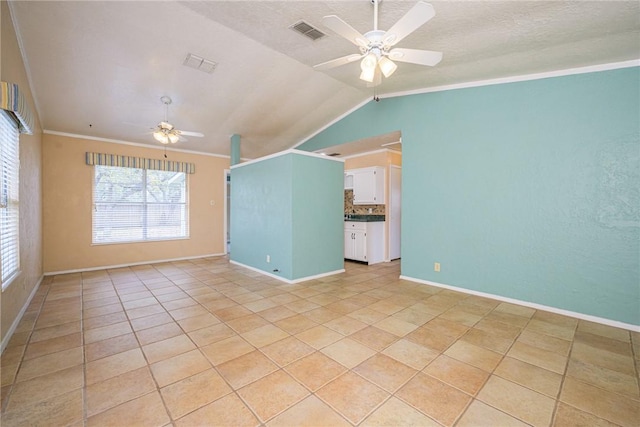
pixel 261 208
pixel 526 190
pixel 318 216
pixel 288 207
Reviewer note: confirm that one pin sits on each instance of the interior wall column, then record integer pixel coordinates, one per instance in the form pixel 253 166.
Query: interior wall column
pixel 235 149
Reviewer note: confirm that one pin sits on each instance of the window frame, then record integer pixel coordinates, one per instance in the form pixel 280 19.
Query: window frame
pixel 9 189
pixel 145 207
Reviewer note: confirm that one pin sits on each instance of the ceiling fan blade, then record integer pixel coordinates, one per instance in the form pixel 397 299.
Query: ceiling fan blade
pixel 188 133
pixel 411 21
pixel 416 56
pixel 337 62
pixel 345 30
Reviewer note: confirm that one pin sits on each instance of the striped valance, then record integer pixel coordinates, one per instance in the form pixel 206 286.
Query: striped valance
pixel 138 162
pixel 12 100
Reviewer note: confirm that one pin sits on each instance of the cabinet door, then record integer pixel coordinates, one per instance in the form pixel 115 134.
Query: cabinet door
pixel 363 187
pixel 348 244
pixel 360 245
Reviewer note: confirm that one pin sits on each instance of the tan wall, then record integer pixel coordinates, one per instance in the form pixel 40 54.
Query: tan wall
pixel 16 295
pixel 68 200
pixel 384 159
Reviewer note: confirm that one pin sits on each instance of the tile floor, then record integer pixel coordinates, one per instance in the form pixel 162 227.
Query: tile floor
pixel 205 342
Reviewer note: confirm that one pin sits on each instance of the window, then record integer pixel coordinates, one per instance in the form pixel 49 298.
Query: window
pixel 133 205
pixel 9 200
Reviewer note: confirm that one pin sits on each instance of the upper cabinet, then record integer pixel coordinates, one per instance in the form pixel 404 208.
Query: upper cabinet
pixel 367 185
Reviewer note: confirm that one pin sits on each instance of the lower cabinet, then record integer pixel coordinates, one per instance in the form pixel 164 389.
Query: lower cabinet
pixel 364 241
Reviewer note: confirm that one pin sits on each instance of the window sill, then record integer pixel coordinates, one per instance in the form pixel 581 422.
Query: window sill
pixel 8 282
pixel 129 242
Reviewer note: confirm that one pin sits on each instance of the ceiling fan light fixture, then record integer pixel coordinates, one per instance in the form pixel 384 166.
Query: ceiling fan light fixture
pixel 368 75
pixel 160 137
pixel 387 66
pixel 369 62
pixel 173 138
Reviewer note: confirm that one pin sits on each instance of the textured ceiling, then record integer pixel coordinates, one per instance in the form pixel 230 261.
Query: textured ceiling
pixel 99 68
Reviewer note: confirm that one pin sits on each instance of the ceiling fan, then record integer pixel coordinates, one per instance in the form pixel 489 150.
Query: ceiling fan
pixel 377 46
pixel 165 132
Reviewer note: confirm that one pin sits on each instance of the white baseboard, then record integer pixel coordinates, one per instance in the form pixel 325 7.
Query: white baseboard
pixel 107 267
pixel 16 321
pixel 582 316
pixel 282 279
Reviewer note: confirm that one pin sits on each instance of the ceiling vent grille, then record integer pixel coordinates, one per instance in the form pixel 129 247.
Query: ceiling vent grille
pixel 199 63
pixel 307 30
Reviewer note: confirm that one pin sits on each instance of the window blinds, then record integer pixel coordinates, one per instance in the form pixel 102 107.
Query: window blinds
pixel 9 199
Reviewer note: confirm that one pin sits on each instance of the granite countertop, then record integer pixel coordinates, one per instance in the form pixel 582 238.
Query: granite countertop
pixel 363 218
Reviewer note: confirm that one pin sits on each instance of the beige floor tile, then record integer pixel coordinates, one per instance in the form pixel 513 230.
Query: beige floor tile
pixel 487 340
pixel 111 346
pixel 473 355
pixel 517 401
pixel 395 412
pixel 136 313
pixel 564 332
pixel 150 321
pixel 247 323
pixel 287 350
pixel 101 311
pixel 211 334
pixel 179 367
pixel 517 310
pixel 176 304
pixel 296 323
pixel 530 376
pixel 507 318
pixel 246 369
pixel 116 390
pixel 436 399
pixel 434 340
pixel 568 416
pixel 194 392
pixel 367 315
pixel 604 378
pixel 105 332
pixel 227 349
pixel 311 412
pixel 604 330
pixel 65 409
pixel 539 357
pixel 458 374
pixel 385 372
pixel 315 370
pixel 112 366
pixel 459 315
pixel 498 329
pixel 45 387
pixel 55 331
pixel 601 403
pixel 345 325
pixel 50 363
pixel 414 316
pixel 53 345
pixel 170 347
pixel 374 338
pixel 264 335
pixel 146 410
pixel 603 343
pixel 272 394
pixel 319 336
pixel 481 414
pixel 276 313
pixel 348 352
pixel 13 355
pixel 352 396
pixel 395 326
pixel 232 312
pixel 606 359
pixel 158 333
pixel 411 354
pixel 545 342
pixel 198 322
pixel 228 411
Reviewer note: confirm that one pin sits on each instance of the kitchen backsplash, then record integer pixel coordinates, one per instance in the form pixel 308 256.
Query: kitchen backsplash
pixel 350 208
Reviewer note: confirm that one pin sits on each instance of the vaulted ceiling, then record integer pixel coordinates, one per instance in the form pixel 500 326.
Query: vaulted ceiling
pixel 99 68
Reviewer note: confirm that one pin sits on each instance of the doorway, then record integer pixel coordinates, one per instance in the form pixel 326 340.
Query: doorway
pixel 227 211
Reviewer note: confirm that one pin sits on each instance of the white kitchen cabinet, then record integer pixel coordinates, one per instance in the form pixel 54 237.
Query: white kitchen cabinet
pixel 364 241
pixel 368 185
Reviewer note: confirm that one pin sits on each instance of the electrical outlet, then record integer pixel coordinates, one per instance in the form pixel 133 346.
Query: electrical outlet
pixel 268 258
pixel 436 267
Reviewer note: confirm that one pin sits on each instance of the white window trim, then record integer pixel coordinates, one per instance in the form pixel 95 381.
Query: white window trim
pixel 14 174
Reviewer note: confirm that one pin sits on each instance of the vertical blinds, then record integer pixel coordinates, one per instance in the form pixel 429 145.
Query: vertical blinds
pixel 9 200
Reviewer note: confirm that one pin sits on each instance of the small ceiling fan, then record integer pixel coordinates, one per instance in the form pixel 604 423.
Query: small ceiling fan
pixel 377 46
pixel 165 132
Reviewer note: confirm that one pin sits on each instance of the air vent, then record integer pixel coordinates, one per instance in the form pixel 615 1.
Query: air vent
pixel 333 154
pixel 307 30
pixel 199 63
